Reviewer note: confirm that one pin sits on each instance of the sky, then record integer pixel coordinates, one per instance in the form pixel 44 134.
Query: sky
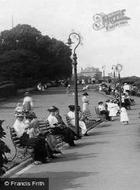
pixel 58 18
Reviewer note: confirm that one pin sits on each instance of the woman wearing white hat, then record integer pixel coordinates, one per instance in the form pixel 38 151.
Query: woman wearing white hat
pixel 85 108
pixel 40 151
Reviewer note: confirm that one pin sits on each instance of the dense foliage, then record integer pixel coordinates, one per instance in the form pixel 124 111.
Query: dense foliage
pixel 3 149
pixel 27 57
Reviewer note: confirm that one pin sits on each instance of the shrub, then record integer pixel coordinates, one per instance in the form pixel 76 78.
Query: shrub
pixel 3 149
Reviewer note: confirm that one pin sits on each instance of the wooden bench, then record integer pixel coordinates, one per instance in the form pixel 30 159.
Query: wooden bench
pixel 93 124
pixel 20 151
pixel 44 129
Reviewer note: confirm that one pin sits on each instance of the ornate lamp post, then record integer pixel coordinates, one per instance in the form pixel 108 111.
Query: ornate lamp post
pixel 114 74
pixel 74 59
pixel 119 69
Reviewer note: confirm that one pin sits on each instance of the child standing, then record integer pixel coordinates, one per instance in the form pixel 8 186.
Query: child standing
pixel 124 116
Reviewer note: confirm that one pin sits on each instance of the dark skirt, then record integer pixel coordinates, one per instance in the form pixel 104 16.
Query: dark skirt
pixel 66 133
pixel 38 144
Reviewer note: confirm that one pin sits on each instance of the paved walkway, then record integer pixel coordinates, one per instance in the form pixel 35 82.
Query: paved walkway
pixel 109 159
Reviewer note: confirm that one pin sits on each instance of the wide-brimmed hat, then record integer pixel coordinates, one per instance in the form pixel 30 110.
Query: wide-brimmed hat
pixel 52 109
pixel 19 114
pixel 85 94
pixel 71 107
pixel 100 102
pixel 56 108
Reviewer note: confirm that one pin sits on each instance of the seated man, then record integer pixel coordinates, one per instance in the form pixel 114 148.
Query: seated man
pixel 103 111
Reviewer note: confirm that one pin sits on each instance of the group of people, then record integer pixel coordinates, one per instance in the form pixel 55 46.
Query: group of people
pixel 44 145
pixel 110 109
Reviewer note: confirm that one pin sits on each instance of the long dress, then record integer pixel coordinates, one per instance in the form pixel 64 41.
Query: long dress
pixel 27 104
pixel 124 115
pixel 82 125
pixel 85 108
pixel 113 109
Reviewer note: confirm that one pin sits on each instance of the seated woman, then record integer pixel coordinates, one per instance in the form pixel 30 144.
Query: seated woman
pixel 71 115
pixel 88 120
pixel 31 138
pixel 103 110
pixel 113 109
pixel 59 127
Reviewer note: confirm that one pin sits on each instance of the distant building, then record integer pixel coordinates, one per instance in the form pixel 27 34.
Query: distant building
pixel 91 72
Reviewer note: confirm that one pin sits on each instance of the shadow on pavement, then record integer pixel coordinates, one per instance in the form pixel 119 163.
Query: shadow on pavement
pixel 102 133
pixel 62 180
pixel 81 145
pixel 104 125
pixel 73 157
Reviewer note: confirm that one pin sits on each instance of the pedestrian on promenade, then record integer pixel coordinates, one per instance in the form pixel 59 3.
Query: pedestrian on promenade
pixel 85 101
pixel 124 116
pixel 68 88
pixel 27 103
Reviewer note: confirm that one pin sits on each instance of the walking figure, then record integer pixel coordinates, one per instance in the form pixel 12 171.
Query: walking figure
pixel 27 103
pixel 68 89
pixel 124 116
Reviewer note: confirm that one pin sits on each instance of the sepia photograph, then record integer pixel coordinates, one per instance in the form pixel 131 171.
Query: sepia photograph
pixel 69 95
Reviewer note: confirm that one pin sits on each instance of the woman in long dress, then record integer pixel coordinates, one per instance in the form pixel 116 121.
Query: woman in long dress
pixel 124 116
pixel 27 103
pixel 85 108
pixel 113 109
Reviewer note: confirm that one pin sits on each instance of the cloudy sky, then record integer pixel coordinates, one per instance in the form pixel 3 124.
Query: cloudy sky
pixel 57 18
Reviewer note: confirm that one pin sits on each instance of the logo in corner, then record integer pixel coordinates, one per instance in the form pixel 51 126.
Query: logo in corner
pixel 110 21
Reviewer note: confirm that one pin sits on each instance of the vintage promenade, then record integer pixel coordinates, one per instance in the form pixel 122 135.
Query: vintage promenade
pixel 108 159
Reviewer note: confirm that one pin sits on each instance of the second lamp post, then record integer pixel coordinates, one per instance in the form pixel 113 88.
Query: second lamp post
pixel 119 69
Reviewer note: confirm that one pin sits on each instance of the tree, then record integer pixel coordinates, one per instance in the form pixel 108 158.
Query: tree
pixel 26 54
pixel 20 37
